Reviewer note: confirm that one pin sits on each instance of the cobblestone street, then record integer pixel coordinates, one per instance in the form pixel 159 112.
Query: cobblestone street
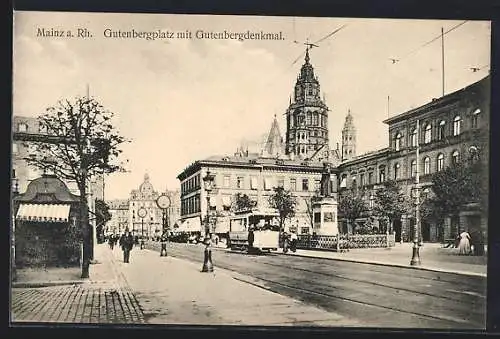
pixel 86 303
pixel 104 298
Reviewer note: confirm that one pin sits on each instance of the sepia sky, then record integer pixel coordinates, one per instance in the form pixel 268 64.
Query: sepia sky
pixel 181 100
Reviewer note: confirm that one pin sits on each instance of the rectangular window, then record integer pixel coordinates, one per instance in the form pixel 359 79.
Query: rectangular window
pixel 317 185
pixel 362 179
pixel 268 184
pixel 343 182
pixel 317 217
pixel 370 178
pixel 239 182
pixel 281 182
pixel 253 183
pixel 227 181
pixel 293 184
pixel 14 148
pixel 305 184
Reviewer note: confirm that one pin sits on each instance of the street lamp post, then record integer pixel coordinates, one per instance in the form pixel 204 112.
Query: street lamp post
pixel 208 182
pixel 163 202
pixel 142 214
pixel 415 259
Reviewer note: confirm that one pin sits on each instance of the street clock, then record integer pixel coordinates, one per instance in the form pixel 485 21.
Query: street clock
pixel 163 202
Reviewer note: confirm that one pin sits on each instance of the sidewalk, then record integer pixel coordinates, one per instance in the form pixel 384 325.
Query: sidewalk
pixel 175 291
pixel 432 256
pixel 103 298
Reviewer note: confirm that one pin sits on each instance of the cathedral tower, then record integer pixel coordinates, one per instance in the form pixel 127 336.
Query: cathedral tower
pixel 348 138
pixel 306 116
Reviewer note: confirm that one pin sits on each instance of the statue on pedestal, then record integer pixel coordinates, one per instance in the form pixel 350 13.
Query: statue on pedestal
pixel 326 183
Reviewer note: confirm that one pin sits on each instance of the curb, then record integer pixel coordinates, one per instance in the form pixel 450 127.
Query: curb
pixel 38 284
pixel 388 264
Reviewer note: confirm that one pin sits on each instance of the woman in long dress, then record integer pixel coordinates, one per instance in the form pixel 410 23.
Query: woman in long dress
pixel 464 244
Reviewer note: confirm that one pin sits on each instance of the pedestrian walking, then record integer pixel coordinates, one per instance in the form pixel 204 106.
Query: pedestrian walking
pixel 251 238
pixel 127 243
pixel 293 241
pixel 163 240
pixel 464 244
pixel 111 242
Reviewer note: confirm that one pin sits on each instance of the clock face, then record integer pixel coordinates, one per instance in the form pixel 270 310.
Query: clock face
pixel 142 212
pixel 163 201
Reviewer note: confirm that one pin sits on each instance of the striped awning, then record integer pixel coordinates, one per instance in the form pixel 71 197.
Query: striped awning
pixel 43 212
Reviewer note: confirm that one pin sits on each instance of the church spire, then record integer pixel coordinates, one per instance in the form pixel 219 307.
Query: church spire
pixel 274 143
pixel 348 137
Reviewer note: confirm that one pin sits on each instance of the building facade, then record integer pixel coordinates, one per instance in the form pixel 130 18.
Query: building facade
pixel 254 176
pixel 119 210
pixel 446 130
pixel 145 197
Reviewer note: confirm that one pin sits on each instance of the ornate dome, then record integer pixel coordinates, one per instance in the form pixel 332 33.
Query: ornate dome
pixel 146 188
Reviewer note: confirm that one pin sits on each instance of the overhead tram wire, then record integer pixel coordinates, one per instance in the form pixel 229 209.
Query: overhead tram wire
pixel 395 60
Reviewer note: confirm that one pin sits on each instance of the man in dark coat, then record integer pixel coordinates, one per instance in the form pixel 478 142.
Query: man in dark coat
pixel 127 243
pixel 163 239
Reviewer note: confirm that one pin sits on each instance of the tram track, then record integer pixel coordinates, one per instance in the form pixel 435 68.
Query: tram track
pixel 344 298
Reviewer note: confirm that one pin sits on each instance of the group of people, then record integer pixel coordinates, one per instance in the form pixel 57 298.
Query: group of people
pixel 468 244
pixel 126 242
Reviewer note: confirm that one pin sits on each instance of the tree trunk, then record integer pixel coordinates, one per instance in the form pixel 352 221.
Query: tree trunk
pixel 84 226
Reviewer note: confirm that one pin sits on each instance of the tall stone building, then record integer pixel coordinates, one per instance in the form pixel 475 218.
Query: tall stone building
pixel 306 116
pixel 449 131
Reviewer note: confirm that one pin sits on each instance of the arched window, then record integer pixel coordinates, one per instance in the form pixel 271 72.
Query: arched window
pixel 440 162
pixel 427 165
pixel 455 157
pixel 315 119
pixel 381 174
pixel 396 171
pixel 413 168
pixel 475 118
pixel 413 138
pixel 457 124
pixel 427 133
pixel 441 130
pixel 397 141
pixel 308 118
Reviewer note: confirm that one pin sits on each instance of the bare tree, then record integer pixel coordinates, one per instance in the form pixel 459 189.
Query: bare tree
pixel 82 143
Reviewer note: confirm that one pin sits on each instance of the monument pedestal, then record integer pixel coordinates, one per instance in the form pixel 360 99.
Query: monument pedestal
pixel 325 216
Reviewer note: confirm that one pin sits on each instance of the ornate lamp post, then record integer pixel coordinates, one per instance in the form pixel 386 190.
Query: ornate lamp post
pixel 142 214
pixel 208 182
pixel 415 259
pixel 163 202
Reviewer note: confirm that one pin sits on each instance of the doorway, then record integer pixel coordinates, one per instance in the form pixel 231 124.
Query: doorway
pixel 396 227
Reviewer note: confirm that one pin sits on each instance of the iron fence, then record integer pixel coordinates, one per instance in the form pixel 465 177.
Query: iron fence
pixel 344 242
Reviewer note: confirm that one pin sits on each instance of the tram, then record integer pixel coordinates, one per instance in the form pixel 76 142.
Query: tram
pixel 263 224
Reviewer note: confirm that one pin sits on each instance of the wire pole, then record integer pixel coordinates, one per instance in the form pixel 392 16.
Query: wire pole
pixel 442 59
pixel 388 106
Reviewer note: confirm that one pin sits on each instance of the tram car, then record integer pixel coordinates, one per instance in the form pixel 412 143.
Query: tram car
pixel 263 225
